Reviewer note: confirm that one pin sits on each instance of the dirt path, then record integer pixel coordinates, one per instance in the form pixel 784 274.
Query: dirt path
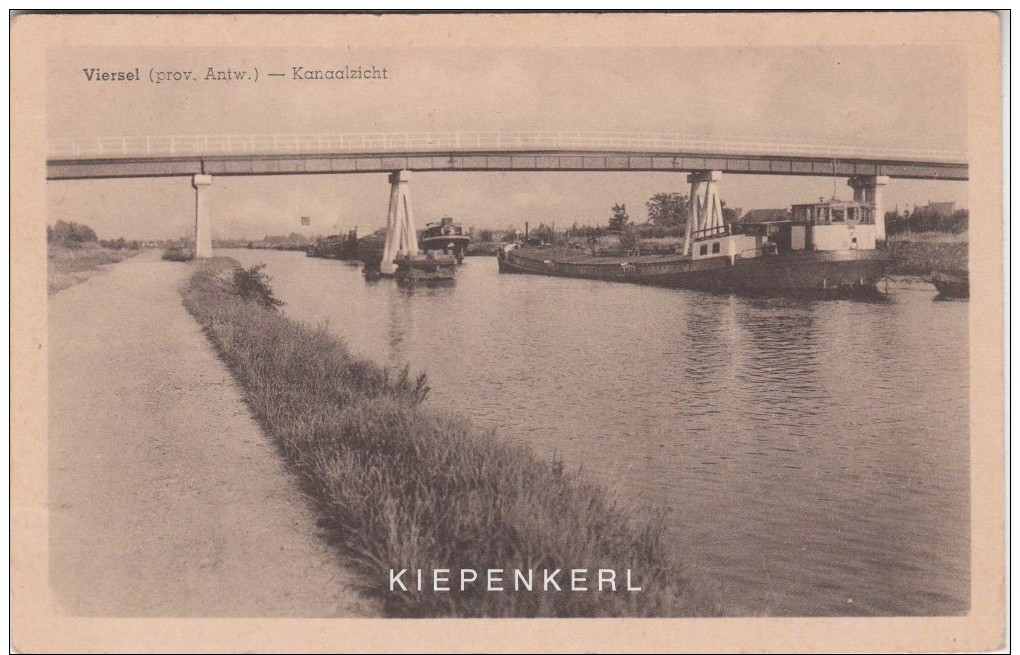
pixel 165 497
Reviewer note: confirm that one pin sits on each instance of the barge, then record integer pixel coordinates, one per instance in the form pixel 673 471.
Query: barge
pixel 951 285
pixel 424 269
pixel 828 247
pixel 335 246
pixel 446 237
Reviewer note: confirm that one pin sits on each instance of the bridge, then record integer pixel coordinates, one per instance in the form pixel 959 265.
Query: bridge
pixel 203 157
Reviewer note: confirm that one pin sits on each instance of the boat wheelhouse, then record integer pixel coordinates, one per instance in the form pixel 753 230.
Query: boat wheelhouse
pixel 826 225
pixel 833 225
pixel 445 236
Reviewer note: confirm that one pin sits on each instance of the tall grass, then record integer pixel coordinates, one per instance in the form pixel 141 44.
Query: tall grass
pixel 404 486
pixel 74 262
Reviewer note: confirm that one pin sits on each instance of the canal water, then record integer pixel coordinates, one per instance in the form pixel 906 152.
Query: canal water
pixel 813 455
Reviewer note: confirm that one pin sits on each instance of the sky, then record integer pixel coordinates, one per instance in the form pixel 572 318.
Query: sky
pixel 911 96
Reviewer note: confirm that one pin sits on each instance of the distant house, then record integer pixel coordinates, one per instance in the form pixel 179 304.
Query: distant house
pixel 765 216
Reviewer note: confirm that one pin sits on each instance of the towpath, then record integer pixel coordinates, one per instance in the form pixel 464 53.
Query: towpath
pixel 165 497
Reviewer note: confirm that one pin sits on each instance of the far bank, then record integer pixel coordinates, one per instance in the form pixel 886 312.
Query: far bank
pixel 929 252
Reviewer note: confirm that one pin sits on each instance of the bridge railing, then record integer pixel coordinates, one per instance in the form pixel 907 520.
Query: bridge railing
pixel 379 142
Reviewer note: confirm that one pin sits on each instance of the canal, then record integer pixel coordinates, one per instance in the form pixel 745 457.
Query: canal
pixel 811 457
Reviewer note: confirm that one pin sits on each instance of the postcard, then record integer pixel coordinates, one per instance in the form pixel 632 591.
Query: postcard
pixel 507 332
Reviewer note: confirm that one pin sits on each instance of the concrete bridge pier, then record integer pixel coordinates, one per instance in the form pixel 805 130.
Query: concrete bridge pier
pixel 203 224
pixel 869 188
pixel 401 234
pixel 705 211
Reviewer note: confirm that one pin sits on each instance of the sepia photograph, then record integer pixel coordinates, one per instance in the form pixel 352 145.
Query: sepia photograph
pixel 690 320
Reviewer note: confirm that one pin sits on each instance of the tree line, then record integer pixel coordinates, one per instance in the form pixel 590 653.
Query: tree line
pixel 667 217
pixel 69 233
pixel 927 219
pixel 77 235
pixel 668 214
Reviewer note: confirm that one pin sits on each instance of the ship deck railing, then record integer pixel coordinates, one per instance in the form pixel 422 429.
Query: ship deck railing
pixel 709 233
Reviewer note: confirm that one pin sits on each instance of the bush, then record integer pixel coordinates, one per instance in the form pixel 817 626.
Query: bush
pixel 253 285
pixel 120 243
pixel 630 240
pixel 178 254
pixel 928 219
pixel 544 233
pixel 650 231
pixel 70 234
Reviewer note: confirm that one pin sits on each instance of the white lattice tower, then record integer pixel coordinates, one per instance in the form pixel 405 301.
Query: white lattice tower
pixel 705 217
pixel 401 233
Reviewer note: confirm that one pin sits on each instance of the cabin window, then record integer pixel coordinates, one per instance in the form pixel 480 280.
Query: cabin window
pixel 715 247
pixel 821 214
pixel 866 215
pixel 851 214
pixel 838 215
pixel 703 250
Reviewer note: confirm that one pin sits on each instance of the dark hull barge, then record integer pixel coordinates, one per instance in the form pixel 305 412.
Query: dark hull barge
pixel 827 248
pixel 951 285
pixel 335 247
pixel 826 272
pixel 425 269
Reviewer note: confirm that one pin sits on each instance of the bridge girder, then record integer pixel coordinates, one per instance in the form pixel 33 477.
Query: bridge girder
pixel 349 163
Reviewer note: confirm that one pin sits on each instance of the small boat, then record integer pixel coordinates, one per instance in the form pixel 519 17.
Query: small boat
pixel 825 248
pixel 445 236
pixel 370 248
pixel 951 285
pixel 427 268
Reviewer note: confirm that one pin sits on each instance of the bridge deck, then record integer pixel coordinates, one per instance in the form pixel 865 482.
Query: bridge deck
pixel 502 160
pixel 290 154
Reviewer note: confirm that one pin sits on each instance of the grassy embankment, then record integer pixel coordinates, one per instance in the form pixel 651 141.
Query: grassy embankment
pixel 404 486
pixel 67 266
pixel 922 253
